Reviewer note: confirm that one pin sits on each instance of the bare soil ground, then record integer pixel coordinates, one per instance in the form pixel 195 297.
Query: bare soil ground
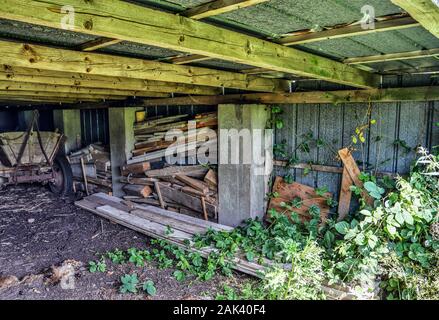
pixel 39 230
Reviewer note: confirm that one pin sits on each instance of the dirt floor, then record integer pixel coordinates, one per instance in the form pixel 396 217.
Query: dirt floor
pixel 39 231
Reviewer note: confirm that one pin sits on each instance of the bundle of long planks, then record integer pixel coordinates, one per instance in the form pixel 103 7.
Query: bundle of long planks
pixel 91 167
pixel 155 222
pixel 190 190
pixel 155 136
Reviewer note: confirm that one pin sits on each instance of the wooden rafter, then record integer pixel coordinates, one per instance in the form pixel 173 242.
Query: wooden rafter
pixel 388 23
pixel 349 31
pixel 426 12
pixel 52 59
pixel 187 59
pixel 17 74
pixel 98 44
pixel 126 21
pixel 217 7
pixel 394 56
pixel 59 96
pixel 342 96
pixel 26 86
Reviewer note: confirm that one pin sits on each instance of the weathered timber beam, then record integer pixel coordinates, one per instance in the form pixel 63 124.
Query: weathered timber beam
pixel 426 12
pixel 98 44
pixel 60 60
pixel 388 23
pixel 18 74
pixel 394 56
pixel 26 86
pixel 59 96
pixel 126 21
pixel 349 31
pixel 217 7
pixel 342 96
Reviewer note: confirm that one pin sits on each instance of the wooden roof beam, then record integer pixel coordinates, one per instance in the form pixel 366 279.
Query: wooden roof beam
pixel 217 7
pixel 394 57
pixel 15 54
pixel 397 23
pixel 17 74
pixel 27 86
pixel 333 97
pixel 126 21
pixel 383 24
pixel 426 12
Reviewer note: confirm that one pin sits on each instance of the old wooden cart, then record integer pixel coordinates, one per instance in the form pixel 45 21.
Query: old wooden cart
pixel 32 156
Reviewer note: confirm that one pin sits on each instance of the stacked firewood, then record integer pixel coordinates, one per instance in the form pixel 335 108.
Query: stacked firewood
pixel 152 140
pixel 190 190
pixel 91 168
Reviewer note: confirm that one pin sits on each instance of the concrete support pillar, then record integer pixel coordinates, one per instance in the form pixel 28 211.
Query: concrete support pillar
pixel 69 123
pixel 121 125
pixel 242 184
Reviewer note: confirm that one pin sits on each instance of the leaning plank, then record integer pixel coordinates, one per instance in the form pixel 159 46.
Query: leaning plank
pixel 211 179
pixel 354 172
pixel 344 201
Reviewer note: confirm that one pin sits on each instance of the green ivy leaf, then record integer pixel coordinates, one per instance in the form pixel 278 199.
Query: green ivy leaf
pixel 342 227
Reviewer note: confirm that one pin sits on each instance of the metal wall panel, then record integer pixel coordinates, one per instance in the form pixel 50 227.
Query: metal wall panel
pixel 94 126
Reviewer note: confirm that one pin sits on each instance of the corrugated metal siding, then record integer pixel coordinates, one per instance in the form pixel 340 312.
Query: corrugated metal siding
pixel 411 122
pixel 94 126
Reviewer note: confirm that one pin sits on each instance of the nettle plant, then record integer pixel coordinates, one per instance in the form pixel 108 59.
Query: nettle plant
pixel 399 225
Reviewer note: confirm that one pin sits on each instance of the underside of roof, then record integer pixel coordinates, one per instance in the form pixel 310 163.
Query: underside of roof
pixel 270 20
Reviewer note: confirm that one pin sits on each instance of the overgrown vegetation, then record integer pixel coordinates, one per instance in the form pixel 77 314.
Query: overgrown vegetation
pixel 392 245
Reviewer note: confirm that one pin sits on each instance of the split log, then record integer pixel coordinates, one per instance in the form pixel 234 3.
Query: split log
pixel 136 168
pixel 137 190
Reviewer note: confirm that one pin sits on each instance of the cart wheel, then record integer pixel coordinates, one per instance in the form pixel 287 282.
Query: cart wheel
pixel 63 182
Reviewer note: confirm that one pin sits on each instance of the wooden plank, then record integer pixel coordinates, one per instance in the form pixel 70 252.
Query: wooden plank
pixel 139 181
pixel 354 172
pixel 186 200
pixel 98 44
pixel 137 168
pixel 36 87
pixel 349 31
pixel 130 22
pixel 159 195
pixel 17 74
pixel 394 56
pixel 217 7
pixel 54 59
pixel 137 190
pixel 183 218
pixel 194 183
pixel 344 201
pixel 334 97
pixel 288 192
pixel 426 12
pixel 187 59
pixel 190 171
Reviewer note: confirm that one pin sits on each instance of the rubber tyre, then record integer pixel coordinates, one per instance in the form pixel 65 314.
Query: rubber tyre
pixel 63 184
